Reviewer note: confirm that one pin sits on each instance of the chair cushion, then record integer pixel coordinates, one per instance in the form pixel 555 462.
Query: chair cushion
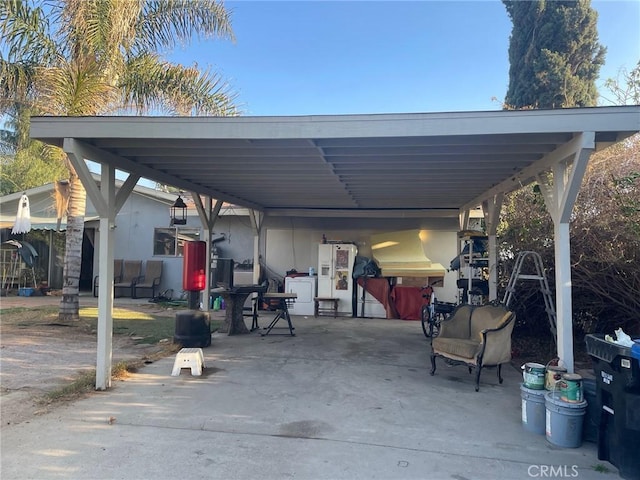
pixel 456 346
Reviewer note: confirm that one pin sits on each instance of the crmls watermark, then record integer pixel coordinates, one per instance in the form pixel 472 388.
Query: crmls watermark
pixel 553 471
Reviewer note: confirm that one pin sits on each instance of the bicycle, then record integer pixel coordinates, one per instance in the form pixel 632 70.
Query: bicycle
pixel 433 312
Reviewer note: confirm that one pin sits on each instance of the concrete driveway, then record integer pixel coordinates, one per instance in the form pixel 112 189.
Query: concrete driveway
pixel 343 399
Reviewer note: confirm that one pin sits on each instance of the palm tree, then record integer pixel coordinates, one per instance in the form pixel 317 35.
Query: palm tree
pixel 97 57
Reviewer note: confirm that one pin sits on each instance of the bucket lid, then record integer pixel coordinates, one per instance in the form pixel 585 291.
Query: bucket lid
pixel 554 398
pixel 532 391
pixel 533 365
pixel 571 376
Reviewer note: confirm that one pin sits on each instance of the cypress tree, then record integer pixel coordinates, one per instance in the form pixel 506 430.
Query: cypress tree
pixel 554 54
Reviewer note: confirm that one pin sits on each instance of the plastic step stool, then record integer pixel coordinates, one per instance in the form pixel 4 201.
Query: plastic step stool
pixel 189 358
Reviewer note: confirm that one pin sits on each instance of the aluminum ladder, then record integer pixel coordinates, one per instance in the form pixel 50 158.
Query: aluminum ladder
pixel 539 275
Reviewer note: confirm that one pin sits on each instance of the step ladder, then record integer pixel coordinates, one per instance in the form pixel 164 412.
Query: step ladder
pixel 539 276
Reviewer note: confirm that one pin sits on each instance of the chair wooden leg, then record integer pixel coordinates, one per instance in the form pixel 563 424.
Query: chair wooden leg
pixel 479 367
pixel 433 364
pixel 500 379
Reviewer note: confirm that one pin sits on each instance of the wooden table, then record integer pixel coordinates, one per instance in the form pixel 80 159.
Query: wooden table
pixel 234 299
pixel 281 301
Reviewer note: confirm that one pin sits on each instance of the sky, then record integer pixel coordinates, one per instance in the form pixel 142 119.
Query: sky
pixel 342 57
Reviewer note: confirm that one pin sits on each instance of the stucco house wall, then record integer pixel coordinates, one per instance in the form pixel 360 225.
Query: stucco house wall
pixel 293 243
pixel 141 216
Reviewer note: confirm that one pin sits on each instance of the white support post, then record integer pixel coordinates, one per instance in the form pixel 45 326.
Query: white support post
pixel 107 204
pixel 208 228
pixel 208 215
pixel 463 219
pixel 491 209
pixel 568 171
pixel 256 224
pixel 563 295
pixel 105 288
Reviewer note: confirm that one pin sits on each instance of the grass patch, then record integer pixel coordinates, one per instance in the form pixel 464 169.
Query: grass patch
pixel 601 468
pixel 142 327
pixel 83 384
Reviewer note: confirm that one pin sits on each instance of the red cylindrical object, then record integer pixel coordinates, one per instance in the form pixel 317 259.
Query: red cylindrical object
pixel 194 269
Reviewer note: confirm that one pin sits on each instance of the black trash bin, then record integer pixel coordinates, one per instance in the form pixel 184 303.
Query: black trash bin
pixel 618 394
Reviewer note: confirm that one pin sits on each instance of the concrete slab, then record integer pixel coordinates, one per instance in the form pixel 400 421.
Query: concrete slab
pixel 343 399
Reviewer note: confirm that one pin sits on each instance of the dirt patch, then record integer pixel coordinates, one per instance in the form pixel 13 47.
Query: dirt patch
pixel 39 355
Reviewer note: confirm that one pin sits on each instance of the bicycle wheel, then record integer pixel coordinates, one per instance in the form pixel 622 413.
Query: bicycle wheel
pixel 425 316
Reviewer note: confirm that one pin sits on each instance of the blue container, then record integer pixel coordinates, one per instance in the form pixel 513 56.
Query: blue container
pixel 26 292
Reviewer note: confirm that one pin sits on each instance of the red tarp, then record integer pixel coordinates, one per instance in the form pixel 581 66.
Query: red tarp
pixel 408 302
pixel 379 289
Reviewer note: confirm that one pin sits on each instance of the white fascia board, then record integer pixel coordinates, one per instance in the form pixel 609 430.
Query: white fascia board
pixel 361 213
pixel 605 119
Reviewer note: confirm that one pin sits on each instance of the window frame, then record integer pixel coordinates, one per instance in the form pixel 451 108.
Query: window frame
pixel 174 240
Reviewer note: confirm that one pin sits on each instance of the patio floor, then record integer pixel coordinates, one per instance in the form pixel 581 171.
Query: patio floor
pixel 343 399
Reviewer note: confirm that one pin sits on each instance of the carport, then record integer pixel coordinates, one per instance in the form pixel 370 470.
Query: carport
pixel 385 166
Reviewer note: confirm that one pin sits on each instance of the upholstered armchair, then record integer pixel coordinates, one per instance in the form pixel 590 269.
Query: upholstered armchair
pixel 476 336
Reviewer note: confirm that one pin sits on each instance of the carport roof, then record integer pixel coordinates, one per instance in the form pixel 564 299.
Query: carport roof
pixel 384 165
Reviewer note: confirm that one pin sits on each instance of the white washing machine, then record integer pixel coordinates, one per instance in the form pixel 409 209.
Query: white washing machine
pixel 305 288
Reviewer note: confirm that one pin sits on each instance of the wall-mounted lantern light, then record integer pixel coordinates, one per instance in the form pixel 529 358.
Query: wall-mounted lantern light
pixel 179 212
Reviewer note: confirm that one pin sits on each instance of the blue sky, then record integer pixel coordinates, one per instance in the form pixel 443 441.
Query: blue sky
pixel 334 57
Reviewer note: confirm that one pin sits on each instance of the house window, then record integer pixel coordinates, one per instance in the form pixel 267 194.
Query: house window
pixel 170 241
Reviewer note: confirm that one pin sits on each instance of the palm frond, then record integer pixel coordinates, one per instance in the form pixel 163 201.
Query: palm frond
pixel 165 24
pixel 26 34
pixel 154 85
pixel 76 88
pixel 17 81
pixel 101 30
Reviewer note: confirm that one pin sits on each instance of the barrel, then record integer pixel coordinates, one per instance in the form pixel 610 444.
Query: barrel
pixel 533 375
pixel 193 329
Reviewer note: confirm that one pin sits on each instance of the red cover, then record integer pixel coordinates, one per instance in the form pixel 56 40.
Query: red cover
pixel 379 289
pixel 408 302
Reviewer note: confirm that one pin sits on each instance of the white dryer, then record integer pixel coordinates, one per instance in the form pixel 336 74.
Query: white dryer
pixel 306 288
